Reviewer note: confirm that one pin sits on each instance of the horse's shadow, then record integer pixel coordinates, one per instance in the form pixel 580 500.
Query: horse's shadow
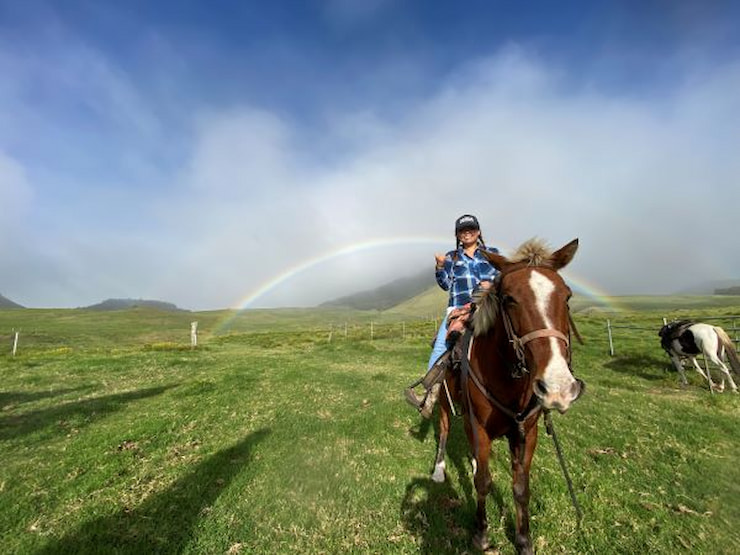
pixel 640 365
pixel 57 419
pixel 164 522
pixel 10 399
pixel 436 513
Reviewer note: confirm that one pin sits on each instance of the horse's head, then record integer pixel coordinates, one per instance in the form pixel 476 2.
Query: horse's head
pixel 532 306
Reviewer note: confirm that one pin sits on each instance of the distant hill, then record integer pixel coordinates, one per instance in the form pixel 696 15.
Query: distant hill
pixel 734 290
pixel 430 302
pixel 123 304
pixel 710 287
pixel 388 295
pixel 7 303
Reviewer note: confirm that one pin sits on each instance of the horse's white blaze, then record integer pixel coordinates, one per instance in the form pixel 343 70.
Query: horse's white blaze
pixel 557 376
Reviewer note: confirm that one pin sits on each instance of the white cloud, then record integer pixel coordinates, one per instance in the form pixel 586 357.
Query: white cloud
pixel 16 195
pixel 647 184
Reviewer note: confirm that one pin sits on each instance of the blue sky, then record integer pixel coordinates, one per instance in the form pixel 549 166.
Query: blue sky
pixel 195 152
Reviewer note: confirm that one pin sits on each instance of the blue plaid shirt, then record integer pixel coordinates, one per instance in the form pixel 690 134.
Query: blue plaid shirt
pixel 462 275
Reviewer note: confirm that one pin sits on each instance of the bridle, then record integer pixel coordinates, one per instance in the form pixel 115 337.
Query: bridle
pixel 533 407
pixel 518 342
pixel 520 369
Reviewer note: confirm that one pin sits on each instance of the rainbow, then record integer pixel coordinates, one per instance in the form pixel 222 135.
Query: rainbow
pixel 439 244
pixel 582 287
pixel 338 253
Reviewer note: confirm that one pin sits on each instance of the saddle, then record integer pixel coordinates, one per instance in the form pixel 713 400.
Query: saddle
pixel 678 331
pixel 458 321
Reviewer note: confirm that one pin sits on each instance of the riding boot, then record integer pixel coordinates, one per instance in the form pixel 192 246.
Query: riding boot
pixel 433 376
pixel 430 401
pixel 413 399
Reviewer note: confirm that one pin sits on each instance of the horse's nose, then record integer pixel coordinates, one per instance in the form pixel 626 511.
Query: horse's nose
pixel 540 389
pixel 578 387
pixel 559 398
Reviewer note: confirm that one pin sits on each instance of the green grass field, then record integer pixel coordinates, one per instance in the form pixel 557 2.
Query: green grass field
pixel 280 434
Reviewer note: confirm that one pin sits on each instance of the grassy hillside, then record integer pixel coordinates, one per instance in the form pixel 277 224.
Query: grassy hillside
pixel 7 303
pixel 388 295
pixel 271 438
pixel 430 302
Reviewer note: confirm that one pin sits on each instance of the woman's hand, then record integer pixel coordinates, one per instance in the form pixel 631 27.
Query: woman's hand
pixel 485 285
pixel 440 259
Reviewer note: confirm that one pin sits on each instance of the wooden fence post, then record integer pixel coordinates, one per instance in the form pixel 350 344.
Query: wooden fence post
pixel 193 335
pixel 345 330
pixel 609 331
pixel 15 343
pixel 331 330
pixel 371 331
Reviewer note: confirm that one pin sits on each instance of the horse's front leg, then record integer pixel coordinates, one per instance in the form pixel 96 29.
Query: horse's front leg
pixel 482 480
pixel 444 429
pixel 679 368
pixel 522 450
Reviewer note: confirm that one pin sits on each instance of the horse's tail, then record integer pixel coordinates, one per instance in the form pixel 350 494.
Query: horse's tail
pixel 729 346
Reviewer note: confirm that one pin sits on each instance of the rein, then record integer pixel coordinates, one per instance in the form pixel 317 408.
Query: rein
pixel 518 343
pixel 519 418
pixel 550 427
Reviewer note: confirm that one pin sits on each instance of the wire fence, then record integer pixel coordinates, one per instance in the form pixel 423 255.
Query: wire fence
pixel 19 342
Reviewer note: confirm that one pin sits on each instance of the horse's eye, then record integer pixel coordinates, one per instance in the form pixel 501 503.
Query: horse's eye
pixel 508 300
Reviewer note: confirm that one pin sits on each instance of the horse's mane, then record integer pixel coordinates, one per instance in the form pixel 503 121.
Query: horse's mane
pixel 533 252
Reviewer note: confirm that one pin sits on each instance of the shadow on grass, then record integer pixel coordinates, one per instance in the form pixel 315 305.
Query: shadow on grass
pixel 62 418
pixel 441 517
pixel 647 367
pixel 442 521
pixel 433 513
pixel 164 522
pixel 9 398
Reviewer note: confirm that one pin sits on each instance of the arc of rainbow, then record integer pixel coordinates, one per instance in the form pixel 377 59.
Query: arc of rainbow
pixel 442 244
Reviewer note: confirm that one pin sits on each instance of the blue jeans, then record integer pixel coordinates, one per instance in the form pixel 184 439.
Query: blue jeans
pixel 440 343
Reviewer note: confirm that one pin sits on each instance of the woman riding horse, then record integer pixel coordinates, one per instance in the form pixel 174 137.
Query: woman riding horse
pixel 519 366
pixel 461 272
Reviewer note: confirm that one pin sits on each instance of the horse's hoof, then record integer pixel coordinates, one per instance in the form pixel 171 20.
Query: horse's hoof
pixel 481 541
pixel 438 475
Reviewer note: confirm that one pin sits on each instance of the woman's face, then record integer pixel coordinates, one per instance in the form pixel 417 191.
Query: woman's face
pixel 468 236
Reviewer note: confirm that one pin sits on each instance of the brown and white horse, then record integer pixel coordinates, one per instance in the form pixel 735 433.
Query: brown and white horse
pixel 518 365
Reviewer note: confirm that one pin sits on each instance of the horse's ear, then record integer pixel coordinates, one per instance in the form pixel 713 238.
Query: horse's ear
pixel 561 257
pixel 497 260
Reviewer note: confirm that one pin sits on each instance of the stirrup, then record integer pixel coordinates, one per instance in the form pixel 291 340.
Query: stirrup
pixel 429 401
pixel 413 399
